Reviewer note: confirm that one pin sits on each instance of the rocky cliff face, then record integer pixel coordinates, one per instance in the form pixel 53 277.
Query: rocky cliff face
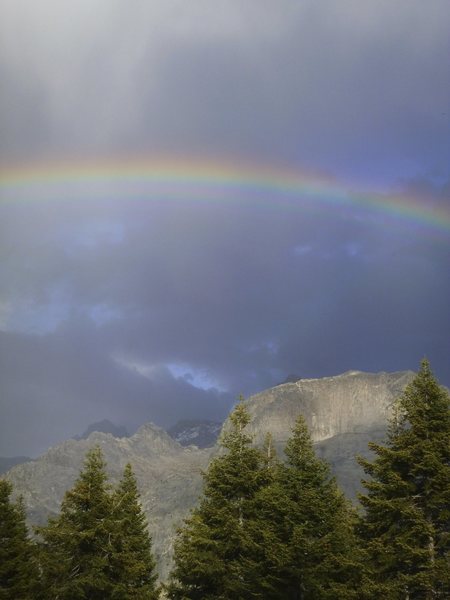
pixel 342 412
pixel 354 402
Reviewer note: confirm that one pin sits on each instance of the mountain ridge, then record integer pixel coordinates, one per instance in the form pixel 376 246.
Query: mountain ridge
pixel 343 412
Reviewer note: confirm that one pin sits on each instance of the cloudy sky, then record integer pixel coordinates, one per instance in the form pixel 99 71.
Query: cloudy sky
pixel 134 296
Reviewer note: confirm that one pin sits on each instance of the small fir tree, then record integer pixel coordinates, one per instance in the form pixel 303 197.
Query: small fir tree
pixel 18 568
pixel 406 525
pixel 77 544
pixel 132 564
pixel 305 530
pixel 212 547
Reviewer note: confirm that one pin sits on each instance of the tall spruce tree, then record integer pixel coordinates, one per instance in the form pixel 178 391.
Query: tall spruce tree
pixel 131 562
pixel 18 567
pixel 212 548
pixel 304 530
pixel 77 544
pixel 406 525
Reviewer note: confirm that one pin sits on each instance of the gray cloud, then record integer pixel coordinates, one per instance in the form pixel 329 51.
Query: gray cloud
pixel 353 88
pixel 57 383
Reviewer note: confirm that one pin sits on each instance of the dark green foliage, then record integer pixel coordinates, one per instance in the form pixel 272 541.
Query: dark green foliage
pixel 84 551
pixel 132 563
pixel 213 546
pixel 304 530
pixel 267 530
pixel 76 545
pixel 406 526
pixel 18 570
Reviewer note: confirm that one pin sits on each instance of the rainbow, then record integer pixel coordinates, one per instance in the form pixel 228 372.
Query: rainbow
pixel 205 180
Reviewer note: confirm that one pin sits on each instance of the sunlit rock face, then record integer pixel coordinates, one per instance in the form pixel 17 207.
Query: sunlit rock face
pixel 343 413
pixel 354 402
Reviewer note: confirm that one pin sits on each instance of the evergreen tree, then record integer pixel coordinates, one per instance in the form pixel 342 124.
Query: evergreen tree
pixel 132 564
pixel 77 545
pixel 304 530
pixel 18 569
pixel 406 525
pixel 266 530
pixel 261 560
pixel 212 547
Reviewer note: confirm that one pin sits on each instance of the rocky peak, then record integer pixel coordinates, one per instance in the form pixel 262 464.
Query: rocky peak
pixel 154 440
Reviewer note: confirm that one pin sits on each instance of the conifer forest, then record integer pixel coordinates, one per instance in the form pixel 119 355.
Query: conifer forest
pixel 265 526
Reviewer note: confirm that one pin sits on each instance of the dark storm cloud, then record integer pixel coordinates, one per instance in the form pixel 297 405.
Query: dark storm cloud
pixel 138 311
pixel 57 383
pixel 242 296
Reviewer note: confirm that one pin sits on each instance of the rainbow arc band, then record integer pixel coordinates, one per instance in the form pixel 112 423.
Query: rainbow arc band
pixel 204 180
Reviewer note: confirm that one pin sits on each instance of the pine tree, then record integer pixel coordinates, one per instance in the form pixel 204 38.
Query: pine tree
pixel 76 545
pixel 18 568
pixel 406 525
pixel 306 541
pixel 212 547
pixel 132 564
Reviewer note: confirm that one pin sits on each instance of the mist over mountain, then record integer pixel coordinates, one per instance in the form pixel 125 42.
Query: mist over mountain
pixel 8 462
pixel 201 433
pixel 104 426
pixel 343 413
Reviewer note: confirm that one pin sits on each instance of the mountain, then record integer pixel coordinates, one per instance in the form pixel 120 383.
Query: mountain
pixel 342 412
pixel 202 434
pixel 169 477
pixel 104 426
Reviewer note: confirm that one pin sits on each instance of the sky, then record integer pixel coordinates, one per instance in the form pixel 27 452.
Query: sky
pixel 200 199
